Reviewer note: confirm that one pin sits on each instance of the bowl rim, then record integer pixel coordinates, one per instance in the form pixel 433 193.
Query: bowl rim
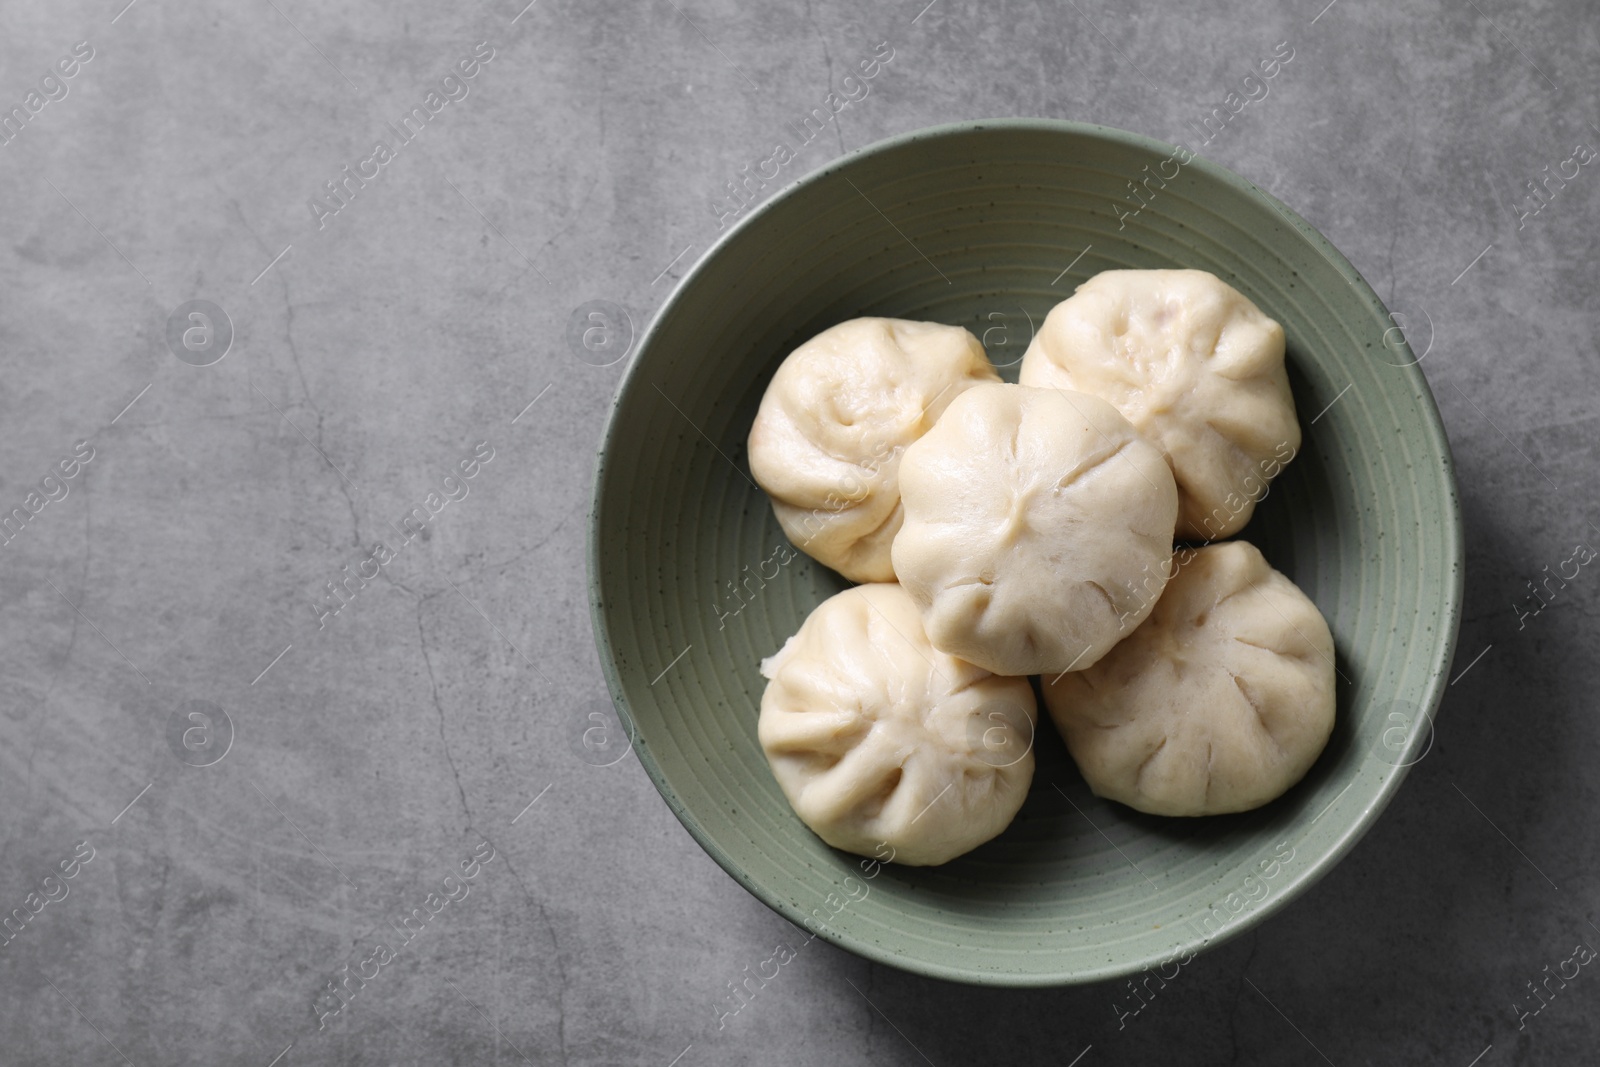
pixel 1349 835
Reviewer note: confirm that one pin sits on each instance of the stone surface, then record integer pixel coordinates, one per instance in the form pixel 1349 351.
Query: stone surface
pixel 372 349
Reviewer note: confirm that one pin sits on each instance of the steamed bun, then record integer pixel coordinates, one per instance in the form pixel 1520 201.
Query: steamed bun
pixel 1196 367
pixel 877 738
pixel 827 440
pixel 1034 518
pixel 1222 700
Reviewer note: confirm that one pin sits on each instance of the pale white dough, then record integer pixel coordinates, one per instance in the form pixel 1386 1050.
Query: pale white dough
pixel 1196 367
pixel 1222 700
pixel 878 739
pixel 836 416
pixel 1038 528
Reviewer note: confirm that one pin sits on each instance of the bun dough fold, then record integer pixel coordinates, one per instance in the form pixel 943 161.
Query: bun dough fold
pixel 877 738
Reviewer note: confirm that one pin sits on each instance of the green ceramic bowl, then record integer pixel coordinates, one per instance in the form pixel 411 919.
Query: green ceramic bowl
pixel 987 225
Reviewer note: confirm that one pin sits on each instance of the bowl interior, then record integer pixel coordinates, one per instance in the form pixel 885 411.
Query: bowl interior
pixel 988 225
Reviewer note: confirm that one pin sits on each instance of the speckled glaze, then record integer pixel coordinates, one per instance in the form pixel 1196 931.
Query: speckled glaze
pixel 974 224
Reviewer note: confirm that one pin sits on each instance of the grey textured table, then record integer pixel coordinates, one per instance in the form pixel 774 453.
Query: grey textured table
pixel 262 784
